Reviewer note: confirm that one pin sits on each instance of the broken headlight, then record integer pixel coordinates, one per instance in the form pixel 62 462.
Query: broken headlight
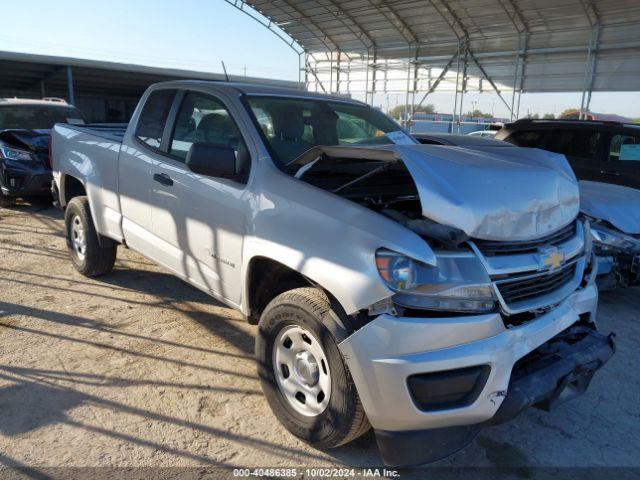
pixel 14 154
pixel 606 239
pixel 457 283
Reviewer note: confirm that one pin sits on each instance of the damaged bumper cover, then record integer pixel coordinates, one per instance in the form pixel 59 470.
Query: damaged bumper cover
pixel 616 231
pixel 483 372
pixel 618 256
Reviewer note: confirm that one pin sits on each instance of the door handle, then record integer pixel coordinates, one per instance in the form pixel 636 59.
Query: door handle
pixel 610 172
pixel 163 179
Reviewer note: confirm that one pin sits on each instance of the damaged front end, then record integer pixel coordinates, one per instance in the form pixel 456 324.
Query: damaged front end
pixel 618 257
pixel 504 317
pixel 615 227
pixel 24 162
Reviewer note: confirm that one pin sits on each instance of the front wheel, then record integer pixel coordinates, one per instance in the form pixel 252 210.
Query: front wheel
pixel 88 256
pixel 303 373
pixel 6 201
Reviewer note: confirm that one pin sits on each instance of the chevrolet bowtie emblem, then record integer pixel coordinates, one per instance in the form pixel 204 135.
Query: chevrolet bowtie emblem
pixel 553 258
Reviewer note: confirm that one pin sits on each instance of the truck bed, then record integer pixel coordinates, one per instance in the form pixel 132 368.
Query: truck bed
pixel 111 131
pixel 90 154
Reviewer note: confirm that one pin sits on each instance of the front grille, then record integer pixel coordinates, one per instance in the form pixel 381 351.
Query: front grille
pixel 528 288
pixel 492 248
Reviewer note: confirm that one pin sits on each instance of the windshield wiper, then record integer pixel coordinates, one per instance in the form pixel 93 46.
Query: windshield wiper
pixel 381 168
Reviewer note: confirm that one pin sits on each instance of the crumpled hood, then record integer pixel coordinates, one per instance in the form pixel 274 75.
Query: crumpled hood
pixel 495 193
pixel 34 140
pixel 618 205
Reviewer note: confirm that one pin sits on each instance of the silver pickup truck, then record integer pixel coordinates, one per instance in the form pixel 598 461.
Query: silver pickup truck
pixel 424 291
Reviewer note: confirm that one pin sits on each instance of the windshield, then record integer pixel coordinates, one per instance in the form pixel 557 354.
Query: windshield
pixel 292 126
pixel 37 117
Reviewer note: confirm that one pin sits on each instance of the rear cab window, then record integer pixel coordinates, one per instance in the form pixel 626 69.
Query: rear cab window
pixel 153 117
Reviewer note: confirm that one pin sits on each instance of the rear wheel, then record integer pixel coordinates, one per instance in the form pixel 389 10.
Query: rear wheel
pixel 303 373
pixel 88 257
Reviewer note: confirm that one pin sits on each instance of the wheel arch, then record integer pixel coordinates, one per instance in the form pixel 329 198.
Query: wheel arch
pixel 267 278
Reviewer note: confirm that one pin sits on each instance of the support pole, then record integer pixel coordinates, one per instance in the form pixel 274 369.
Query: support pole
pixel 455 97
pixel 72 98
pixel 374 75
pixel 366 82
pixel 338 72
pixel 587 69
pixel 406 98
pixel 306 71
pixel 464 83
pixel 331 73
pixel 414 88
pixel 515 77
pixel 594 59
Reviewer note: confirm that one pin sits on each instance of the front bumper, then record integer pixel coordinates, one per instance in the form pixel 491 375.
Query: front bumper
pixel 383 354
pixel 24 179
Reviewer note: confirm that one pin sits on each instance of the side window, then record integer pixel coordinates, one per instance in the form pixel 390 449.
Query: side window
pixel 575 145
pixel 154 117
pixel 203 119
pixel 526 139
pixel 624 148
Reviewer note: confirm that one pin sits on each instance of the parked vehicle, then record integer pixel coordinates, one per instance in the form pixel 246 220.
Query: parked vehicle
pixel 615 226
pixel 484 133
pixel 598 151
pixel 454 140
pixel 24 145
pixel 390 285
pixel 606 158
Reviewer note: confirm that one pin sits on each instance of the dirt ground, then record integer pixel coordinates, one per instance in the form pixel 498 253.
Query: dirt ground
pixel 139 369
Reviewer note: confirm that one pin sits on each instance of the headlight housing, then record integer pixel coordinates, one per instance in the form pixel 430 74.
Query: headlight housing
pixel 607 238
pixel 458 283
pixel 14 154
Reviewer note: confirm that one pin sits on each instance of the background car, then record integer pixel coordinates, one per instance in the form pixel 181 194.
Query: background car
pixel 484 133
pixel 25 127
pixel 598 151
pixel 614 211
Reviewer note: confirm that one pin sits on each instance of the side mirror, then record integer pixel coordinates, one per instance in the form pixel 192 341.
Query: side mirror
pixel 211 160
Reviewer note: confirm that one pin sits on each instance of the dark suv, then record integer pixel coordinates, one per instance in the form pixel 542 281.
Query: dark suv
pixel 25 128
pixel 605 156
pixel 599 151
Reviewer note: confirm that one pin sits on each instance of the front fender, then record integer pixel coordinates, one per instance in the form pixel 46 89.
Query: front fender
pixel 328 239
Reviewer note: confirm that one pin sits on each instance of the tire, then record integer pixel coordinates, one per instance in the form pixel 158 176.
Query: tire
pixel 288 316
pixel 88 257
pixel 6 201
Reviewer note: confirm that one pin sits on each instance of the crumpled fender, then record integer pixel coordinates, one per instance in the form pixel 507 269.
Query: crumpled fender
pixel 615 204
pixel 330 240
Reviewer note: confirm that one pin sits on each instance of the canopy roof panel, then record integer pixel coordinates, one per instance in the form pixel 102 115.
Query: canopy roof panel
pixel 564 45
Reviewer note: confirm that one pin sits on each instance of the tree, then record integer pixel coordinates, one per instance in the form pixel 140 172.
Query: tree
pixel 398 110
pixel 479 114
pixel 570 113
pixel 548 116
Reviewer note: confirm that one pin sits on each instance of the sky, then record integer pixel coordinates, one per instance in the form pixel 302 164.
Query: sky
pixel 201 34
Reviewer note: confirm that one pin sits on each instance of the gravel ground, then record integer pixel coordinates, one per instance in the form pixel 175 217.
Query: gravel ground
pixel 139 369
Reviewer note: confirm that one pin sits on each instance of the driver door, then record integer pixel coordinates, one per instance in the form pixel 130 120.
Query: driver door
pixel 200 220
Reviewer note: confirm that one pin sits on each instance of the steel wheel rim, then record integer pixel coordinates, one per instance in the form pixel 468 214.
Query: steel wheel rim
pixel 78 237
pixel 302 371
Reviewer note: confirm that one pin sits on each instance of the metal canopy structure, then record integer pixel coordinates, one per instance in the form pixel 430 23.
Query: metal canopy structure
pixel 506 46
pixel 82 81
